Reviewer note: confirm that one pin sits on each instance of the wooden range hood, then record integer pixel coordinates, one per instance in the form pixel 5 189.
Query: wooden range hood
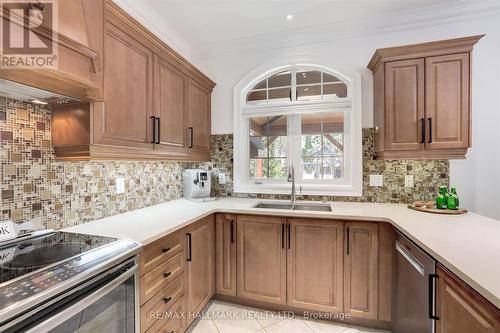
pixel 79 71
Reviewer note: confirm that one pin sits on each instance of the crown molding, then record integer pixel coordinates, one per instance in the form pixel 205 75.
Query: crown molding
pixel 432 16
pixel 448 46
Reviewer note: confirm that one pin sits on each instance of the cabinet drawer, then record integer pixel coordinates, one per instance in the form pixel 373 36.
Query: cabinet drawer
pixel 161 302
pixel 158 252
pixel 161 276
pixel 173 321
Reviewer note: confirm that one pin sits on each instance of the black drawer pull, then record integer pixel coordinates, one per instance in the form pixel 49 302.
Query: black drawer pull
pixel 232 231
pixel 430 130
pixel 166 275
pixel 422 120
pixel 191 137
pixel 432 296
pixel 153 128
pixel 167 299
pixel 165 250
pixel 189 258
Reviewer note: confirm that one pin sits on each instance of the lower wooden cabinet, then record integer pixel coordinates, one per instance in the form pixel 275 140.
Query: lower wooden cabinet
pixel 462 310
pixel 261 261
pixel 200 266
pixel 175 323
pixel 225 254
pixel 361 270
pixel 315 265
pixel 162 285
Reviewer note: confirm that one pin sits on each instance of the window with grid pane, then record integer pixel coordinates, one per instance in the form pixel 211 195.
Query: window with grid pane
pixel 300 117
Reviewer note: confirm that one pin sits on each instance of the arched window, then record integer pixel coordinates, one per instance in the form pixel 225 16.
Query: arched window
pixel 302 117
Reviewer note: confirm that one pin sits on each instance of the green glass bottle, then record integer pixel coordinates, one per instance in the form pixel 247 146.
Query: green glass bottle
pixel 442 198
pixel 453 199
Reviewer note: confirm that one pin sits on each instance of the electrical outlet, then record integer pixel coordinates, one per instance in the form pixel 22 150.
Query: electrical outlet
pixel 409 181
pixel 222 178
pixel 376 180
pixel 120 185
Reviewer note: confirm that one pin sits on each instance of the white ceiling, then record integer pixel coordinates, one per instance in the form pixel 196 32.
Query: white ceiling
pixel 196 27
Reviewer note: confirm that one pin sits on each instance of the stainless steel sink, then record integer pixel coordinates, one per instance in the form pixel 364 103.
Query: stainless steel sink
pixel 296 206
pixel 313 207
pixel 274 205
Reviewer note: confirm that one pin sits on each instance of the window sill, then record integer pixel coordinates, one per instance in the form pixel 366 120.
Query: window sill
pixel 307 189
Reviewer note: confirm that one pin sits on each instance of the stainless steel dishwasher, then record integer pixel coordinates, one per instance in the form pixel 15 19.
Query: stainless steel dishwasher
pixel 414 289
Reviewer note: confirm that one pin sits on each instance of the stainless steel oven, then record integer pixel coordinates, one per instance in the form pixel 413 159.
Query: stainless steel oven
pixel 107 303
pixel 95 290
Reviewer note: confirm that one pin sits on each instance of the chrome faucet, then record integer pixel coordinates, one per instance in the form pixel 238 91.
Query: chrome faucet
pixel 291 178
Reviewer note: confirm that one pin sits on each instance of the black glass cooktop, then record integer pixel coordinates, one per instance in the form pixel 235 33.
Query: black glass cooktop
pixel 32 254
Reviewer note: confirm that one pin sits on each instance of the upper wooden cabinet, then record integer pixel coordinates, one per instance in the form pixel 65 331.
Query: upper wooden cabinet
pixel 460 309
pixel 421 97
pixel 198 114
pixel 169 106
pixel 156 104
pixel 124 118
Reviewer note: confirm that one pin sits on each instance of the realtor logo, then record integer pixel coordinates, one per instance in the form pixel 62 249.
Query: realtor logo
pixel 28 39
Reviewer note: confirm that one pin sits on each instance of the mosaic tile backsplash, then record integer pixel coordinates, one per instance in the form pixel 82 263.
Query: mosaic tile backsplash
pixel 428 175
pixel 35 188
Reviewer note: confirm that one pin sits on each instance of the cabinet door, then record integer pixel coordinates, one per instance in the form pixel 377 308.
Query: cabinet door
pixel 124 119
pixel 200 286
pixel 461 310
pixel 361 270
pixel 198 100
pixel 404 103
pixel 447 101
pixel 225 254
pixel 261 263
pixel 315 265
pixel 169 105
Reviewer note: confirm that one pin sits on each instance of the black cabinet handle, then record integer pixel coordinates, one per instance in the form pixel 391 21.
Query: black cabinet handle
pixel 232 231
pixel 430 130
pixel 191 134
pixel 432 293
pixel 282 235
pixel 189 258
pixel 153 123
pixel 167 299
pixel 289 232
pixel 165 250
pixel 348 241
pixel 166 275
pixel 422 121
pixel 157 130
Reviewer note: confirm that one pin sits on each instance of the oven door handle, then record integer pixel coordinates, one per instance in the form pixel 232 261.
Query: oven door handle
pixel 60 317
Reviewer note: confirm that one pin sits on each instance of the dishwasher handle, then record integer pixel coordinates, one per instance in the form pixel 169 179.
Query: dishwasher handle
pixel 432 296
pixel 410 258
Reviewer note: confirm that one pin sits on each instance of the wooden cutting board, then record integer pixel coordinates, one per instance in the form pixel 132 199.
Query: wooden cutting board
pixel 459 211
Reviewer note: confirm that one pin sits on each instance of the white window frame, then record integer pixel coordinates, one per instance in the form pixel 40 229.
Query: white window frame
pixel 351 183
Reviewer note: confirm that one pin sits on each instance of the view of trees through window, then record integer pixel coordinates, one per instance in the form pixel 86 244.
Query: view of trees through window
pixel 268 147
pixel 322 146
pixel 317 147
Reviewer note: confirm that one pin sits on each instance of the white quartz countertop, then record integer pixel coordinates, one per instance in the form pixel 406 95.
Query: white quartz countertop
pixel 468 245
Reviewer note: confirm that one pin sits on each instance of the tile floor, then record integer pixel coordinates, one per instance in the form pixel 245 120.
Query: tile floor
pixel 221 317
